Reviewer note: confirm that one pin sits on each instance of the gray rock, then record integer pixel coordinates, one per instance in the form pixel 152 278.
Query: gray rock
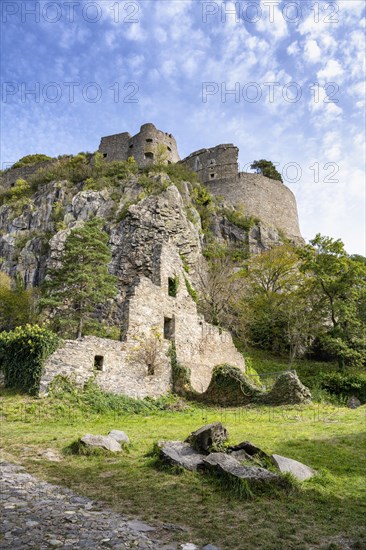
pixel 210 435
pixel 353 402
pixel 210 547
pixel 297 469
pixel 102 441
pixel 249 449
pixel 140 526
pixel 182 454
pixel 241 455
pixel 224 463
pixel 119 436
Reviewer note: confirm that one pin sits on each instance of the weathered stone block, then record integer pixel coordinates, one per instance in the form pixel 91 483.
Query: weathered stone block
pixel 102 442
pixel 297 469
pixel 208 437
pixel 224 463
pixel 180 454
pixel 119 436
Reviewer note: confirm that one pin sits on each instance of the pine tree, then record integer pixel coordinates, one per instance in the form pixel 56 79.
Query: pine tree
pixel 82 282
pixel 267 168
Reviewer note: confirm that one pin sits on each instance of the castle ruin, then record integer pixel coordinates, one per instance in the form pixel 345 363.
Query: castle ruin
pixel 265 199
pixel 152 246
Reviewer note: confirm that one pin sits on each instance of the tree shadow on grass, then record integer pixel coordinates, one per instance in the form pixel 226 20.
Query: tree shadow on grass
pixel 341 455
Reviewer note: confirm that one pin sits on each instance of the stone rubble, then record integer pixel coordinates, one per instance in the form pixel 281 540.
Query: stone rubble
pixel 37 514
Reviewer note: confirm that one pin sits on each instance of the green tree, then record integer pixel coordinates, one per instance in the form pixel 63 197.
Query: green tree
pixel 82 282
pixel 277 303
pixel 339 282
pixel 267 168
pixel 17 305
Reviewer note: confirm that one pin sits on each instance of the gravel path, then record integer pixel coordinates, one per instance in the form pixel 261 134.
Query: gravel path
pixel 39 515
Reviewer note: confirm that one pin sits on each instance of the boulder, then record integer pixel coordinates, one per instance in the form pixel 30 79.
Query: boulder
pixel 297 469
pixel 224 463
pixel 249 449
pixel 101 441
pixel 287 390
pixel 353 402
pixel 181 454
pixel 119 436
pixel 240 455
pixel 210 435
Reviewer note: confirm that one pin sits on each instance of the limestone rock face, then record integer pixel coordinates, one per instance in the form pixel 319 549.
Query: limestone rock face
pixel 156 220
pixel 101 441
pixel 210 435
pixel 297 469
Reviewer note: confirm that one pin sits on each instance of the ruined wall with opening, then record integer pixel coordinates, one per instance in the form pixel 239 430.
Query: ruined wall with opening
pixel 115 366
pixel 139 366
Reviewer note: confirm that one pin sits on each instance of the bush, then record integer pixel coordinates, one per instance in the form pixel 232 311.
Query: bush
pixel 23 353
pixel 344 385
pixel 30 160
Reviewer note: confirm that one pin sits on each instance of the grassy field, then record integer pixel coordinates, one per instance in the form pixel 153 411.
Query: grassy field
pixel 327 512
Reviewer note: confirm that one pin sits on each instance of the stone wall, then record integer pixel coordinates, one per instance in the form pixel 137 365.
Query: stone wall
pixel 269 200
pixel 115 147
pixel 199 345
pixel 139 366
pixel 9 177
pixel 112 363
pixel 215 163
pixel 143 146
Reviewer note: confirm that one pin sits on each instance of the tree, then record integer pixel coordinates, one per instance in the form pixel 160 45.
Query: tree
pixel 278 302
pixel 267 168
pixel 217 288
pixel 339 282
pixel 82 282
pixel 17 305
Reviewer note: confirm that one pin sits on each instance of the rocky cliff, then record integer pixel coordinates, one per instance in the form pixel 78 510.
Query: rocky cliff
pixel 140 211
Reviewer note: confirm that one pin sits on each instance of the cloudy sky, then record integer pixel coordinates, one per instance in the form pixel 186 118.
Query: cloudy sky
pixel 282 80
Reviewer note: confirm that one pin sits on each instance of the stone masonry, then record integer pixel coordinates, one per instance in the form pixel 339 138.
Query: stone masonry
pixel 269 200
pixel 142 146
pixel 140 366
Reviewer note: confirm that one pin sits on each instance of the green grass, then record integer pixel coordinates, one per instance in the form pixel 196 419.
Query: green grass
pixel 327 509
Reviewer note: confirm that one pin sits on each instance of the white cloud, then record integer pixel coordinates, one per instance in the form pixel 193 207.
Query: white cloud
pixel 293 48
pixel 135 33
pixel 272 22
pixel 312 51
pixel 332 69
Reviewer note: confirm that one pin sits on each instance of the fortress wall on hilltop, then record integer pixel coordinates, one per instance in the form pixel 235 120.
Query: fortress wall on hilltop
pixel 264 198
pixel 215 163
pixel 143 146
pixel 115 147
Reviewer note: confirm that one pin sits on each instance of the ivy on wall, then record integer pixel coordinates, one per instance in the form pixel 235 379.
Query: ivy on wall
pixel 23 353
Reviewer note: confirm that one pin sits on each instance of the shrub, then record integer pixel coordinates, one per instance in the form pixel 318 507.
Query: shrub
pixel 344 385
pixel 23 353
pixel 30 160
pixel 239 219
pixel 191 291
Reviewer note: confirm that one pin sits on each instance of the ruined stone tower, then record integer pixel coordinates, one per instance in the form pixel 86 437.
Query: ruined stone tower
pixel 144 146
pixel 269 200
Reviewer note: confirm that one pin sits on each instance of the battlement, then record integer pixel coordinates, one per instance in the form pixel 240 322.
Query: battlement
pixel 144 146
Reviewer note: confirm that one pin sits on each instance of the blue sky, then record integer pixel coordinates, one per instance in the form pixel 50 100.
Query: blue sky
pixel 296 70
